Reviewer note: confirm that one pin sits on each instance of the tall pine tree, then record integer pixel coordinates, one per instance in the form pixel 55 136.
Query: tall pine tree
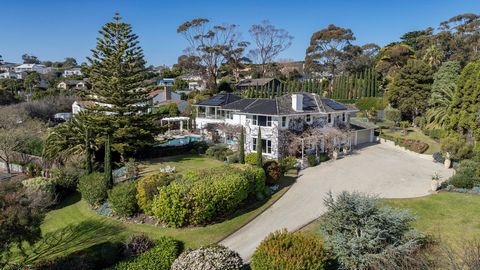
pixel 119 102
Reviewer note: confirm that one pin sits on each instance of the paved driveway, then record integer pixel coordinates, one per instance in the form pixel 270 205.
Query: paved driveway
pixel 378 169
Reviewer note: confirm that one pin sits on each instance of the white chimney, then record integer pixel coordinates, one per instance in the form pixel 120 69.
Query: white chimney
pixel 297 102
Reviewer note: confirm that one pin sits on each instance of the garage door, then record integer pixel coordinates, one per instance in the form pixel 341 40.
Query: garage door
pixel 363 136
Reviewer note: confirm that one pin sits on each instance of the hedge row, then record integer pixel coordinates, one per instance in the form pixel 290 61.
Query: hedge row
pixel 206 195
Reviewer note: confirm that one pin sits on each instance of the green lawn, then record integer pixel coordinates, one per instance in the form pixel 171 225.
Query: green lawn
pixel 450 217
pixel 73 226
pixel 181 163
pixel 415 134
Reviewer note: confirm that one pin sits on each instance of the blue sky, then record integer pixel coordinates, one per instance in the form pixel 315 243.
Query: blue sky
pixel 53 30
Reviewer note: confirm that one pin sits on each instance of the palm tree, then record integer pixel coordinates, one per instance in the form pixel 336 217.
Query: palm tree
pixel 433 56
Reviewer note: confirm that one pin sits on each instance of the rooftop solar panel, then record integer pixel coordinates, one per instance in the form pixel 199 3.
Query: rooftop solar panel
pixel 334 105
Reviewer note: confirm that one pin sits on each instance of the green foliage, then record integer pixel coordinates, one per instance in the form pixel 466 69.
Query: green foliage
pixel 443 89
pixel 285 250
pixel 170 109
pixel 202 196
pixel 40 183
pixel 467 175
pixel 122 199
pixel 273 171
pixel 465 106
pixel 19 221
pixel 137 244
pixel 160 257
pixel 66 177
pixel 107 164
pixel 367 103
pixel 457 147
pixel 212 257
pixel 411 89
pixel 93 188
pixel 363 234
pixel 355 86
pixel 219 152
pixel 251 159
pixel 312 160
pixel 147 188
pixel 288 163
pixel 259 149
pixel 393 115
pixel 33 146
pixel 241 156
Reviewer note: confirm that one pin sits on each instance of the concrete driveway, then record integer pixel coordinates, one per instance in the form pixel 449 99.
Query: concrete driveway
pixel 378 169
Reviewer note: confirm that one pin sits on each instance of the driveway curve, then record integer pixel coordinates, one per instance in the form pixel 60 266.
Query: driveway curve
pixel 378 169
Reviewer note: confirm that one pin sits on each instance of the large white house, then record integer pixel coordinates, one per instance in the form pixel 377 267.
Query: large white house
pixel 273 116
pixel 72 71
pixel 31 67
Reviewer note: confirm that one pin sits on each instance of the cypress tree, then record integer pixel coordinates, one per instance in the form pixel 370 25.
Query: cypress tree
pixel 242 147
pixel 88 151
pixel 117 72
pixel 108 160
pixel 259 148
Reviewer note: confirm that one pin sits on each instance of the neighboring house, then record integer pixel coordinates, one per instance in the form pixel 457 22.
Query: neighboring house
pixel 31 67
pixel 160 95
pixel 5 67
pixel 276 115
pixel 268 83
pixel 72 84
pixel 167 82
pixel 72 71
pixel 195 82
pixel 11 75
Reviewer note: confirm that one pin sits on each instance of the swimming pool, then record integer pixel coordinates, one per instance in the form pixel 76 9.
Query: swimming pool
pixel 182 141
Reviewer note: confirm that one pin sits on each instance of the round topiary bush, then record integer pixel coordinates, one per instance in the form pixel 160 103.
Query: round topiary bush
pixel 93 188
pixel 208 258
pixel 147 188
pixel 273 172
pixel 122 199
pixel 285 250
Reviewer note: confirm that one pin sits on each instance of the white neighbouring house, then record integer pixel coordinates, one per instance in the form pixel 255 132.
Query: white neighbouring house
pixel 72 71
pixel 31 67
pixel 11 75
pixel 273 116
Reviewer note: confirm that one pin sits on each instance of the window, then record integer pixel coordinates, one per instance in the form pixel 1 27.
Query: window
pixel 263 121
pixel 308 118
pixel 266 146
pixel 329 118
pixel 343 117
pixel 284 121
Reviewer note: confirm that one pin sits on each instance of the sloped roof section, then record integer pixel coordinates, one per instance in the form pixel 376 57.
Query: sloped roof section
pixel 219 100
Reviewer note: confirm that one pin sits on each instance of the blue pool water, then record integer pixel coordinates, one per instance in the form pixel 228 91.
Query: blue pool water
pixel 182 141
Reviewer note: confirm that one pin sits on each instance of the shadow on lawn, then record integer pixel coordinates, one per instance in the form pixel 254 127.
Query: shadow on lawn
pixel 72 238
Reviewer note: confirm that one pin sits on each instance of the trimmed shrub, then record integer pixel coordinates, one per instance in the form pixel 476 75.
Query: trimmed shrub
pixel 285 250
pixel 41 192
pixel 137 244
pixel 202 196
pixel 122 199
pixel 288 163
pixel 256 177
pixel 66 178
pixel 209 258
pixel 160 257
pixel 40 183
pixel 467 176
pixel 147 188
pixel 219 152
pixel 93 188
pixel 251 158
pixel 312 160
pixel 233 158
pixel 273 172
pixel 457 146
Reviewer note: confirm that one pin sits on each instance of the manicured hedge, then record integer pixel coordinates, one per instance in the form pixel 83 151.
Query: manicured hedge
pixel 159 257
pixel 219 152
pixel 251 158
pixel 204 196
pixel 147 188
pixel 122 199
pixel 367 103
pixel 93 188
pixel 285 250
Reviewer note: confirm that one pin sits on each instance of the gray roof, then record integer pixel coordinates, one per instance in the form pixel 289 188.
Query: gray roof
pixel 254 82
pixel 219 100
pixel 312 103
